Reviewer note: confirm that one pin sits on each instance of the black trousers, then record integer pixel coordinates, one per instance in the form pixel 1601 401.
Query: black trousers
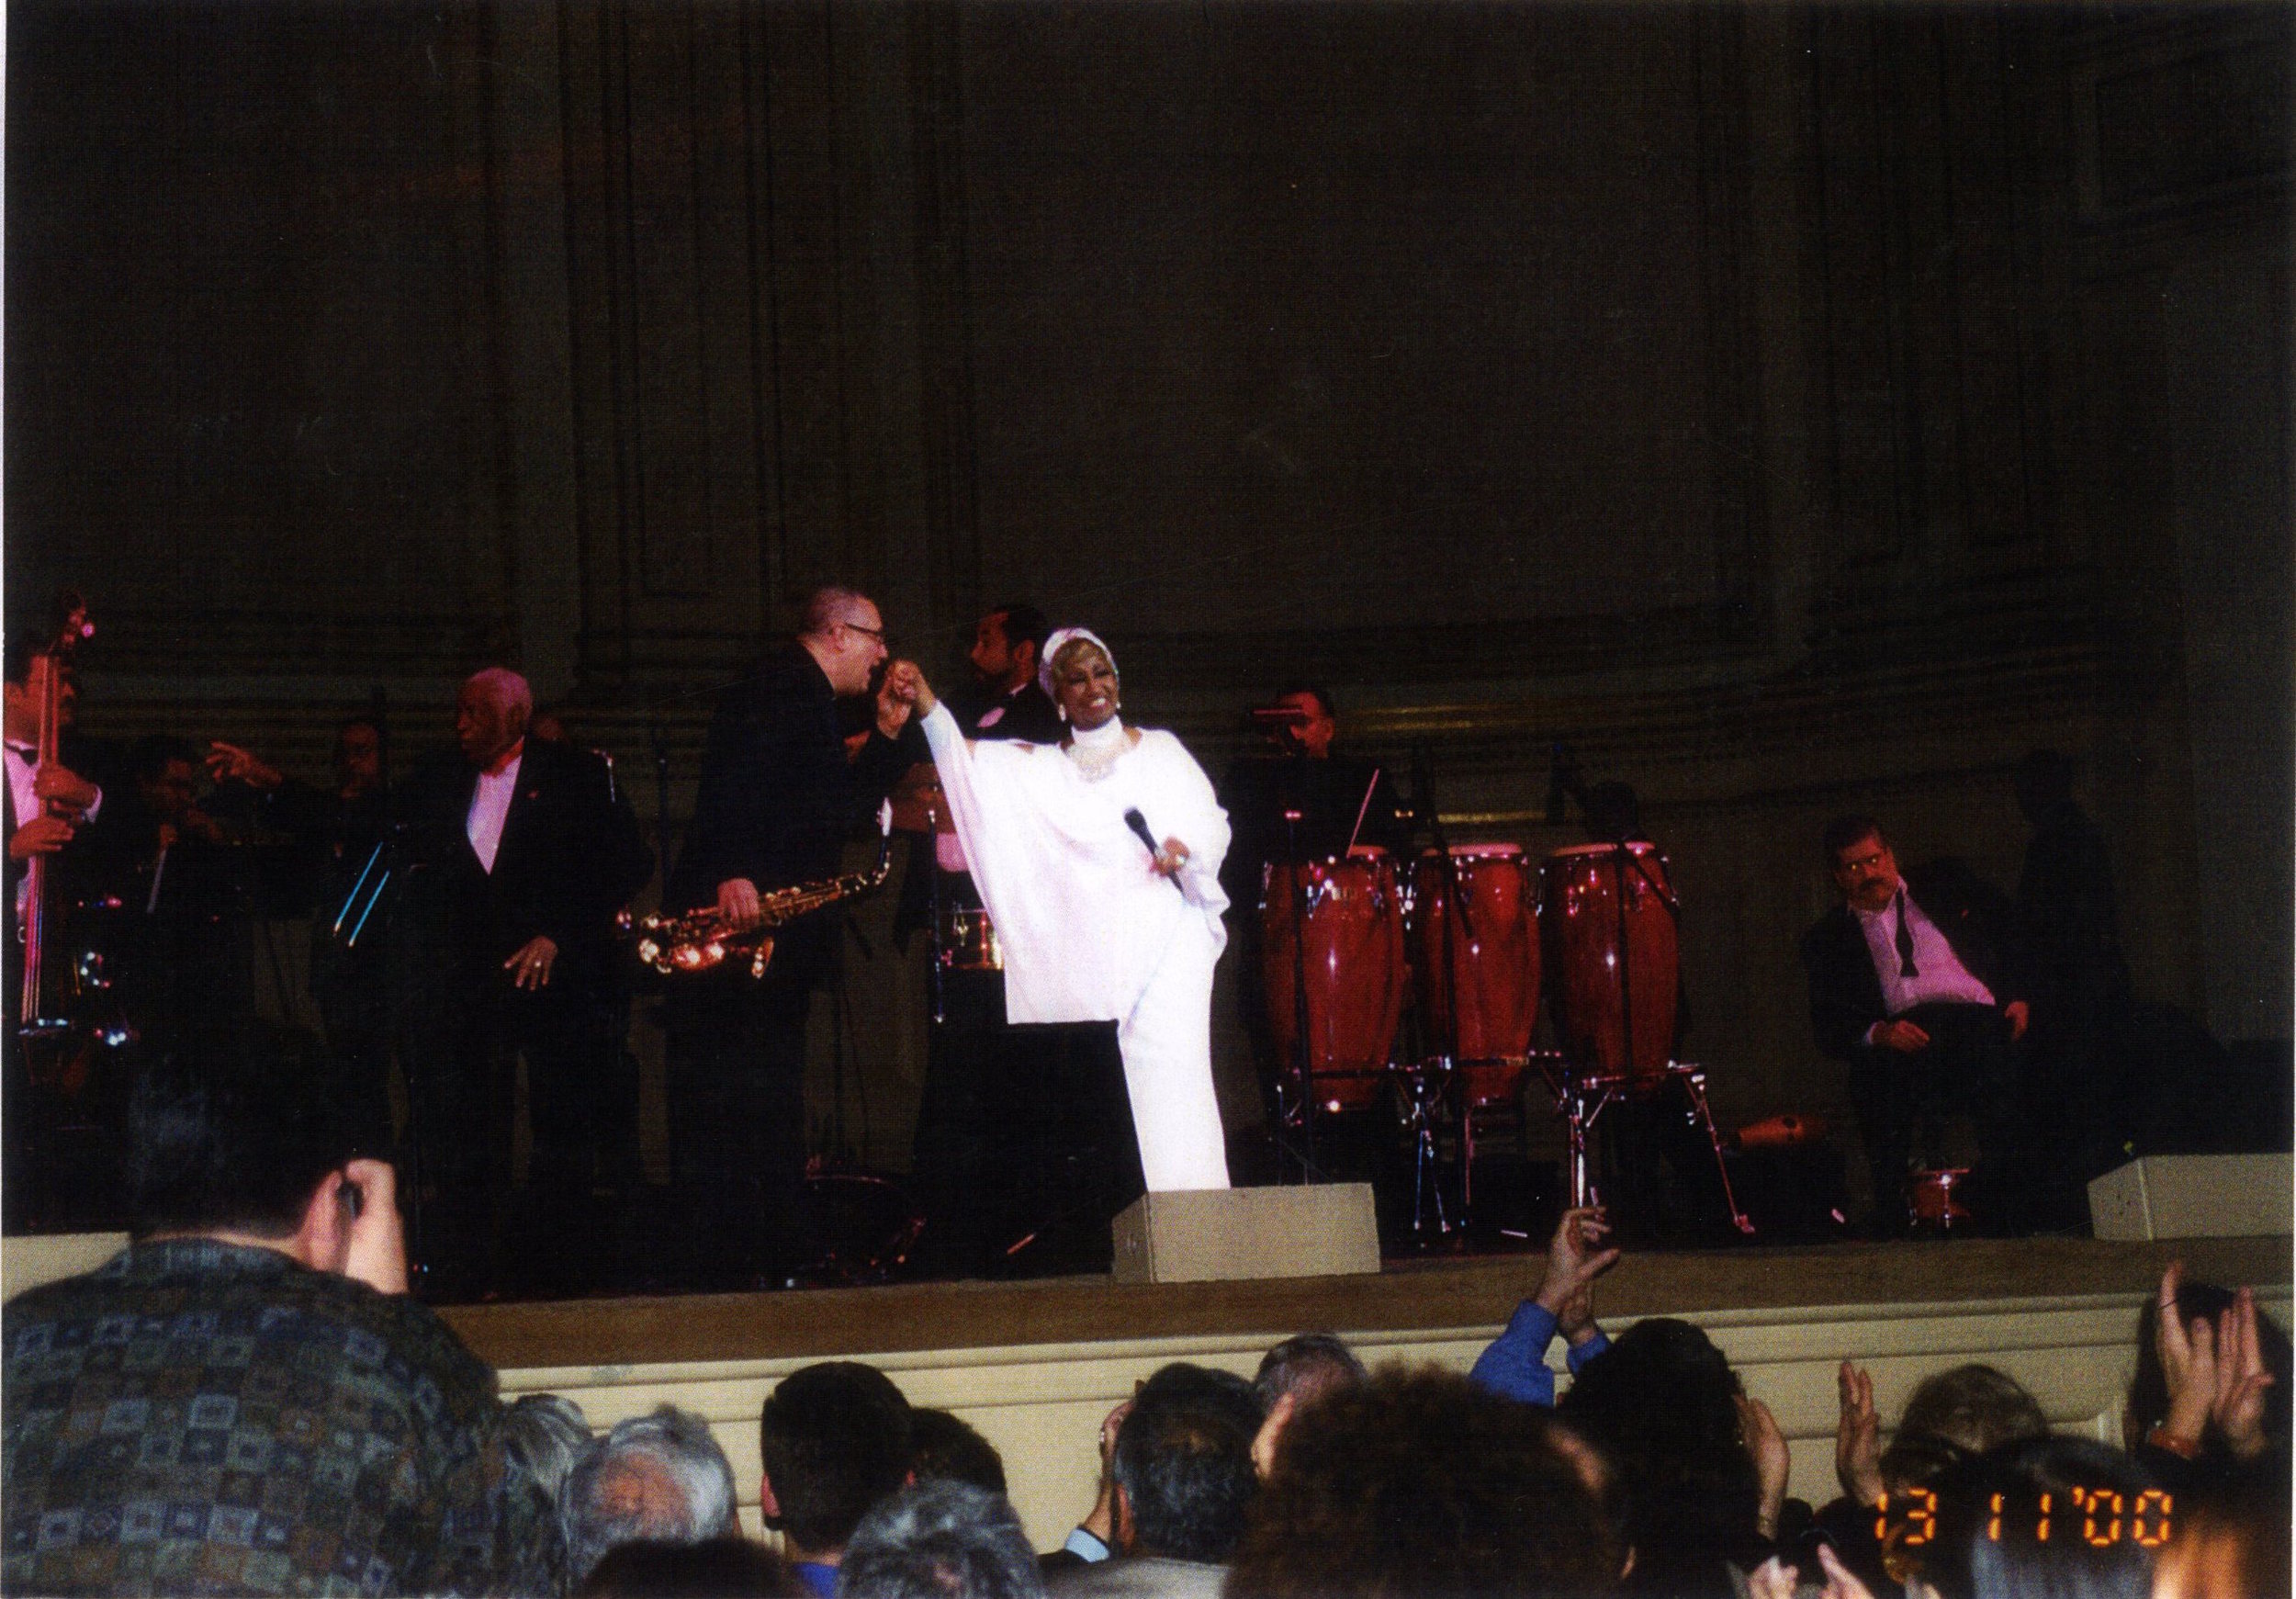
pixel 479 1230
pixel 1970 1066
pixel 1024 1146
pixel 735 1060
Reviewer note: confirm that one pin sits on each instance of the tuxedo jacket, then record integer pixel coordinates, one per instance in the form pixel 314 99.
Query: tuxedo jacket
pixel 1845 988
pixel 84 866
pixel 568 860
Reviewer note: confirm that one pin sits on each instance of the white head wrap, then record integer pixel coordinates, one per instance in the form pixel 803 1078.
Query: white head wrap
pixel 1062 635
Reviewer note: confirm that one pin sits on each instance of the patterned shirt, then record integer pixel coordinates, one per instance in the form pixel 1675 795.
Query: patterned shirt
pixel 201 1417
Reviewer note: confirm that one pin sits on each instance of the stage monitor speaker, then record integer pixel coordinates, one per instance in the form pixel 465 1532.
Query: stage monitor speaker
pixel 2194 1196
pixel 1215 1234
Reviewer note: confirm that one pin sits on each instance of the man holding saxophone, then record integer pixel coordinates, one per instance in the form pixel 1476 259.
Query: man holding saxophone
pixel 782 788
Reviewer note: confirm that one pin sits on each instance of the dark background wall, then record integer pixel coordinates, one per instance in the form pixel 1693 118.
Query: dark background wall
pixel 1795 409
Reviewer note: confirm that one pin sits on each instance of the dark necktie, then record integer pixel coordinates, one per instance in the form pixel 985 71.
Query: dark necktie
pixel 1906 968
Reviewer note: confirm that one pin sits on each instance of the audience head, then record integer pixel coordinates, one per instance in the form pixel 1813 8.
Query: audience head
pixel 1662 1406
pixel 1310 1365
pixel 843 632
pixel 491 714
pixel 944 1447
pixel 543 1435
pixel 233 1132
pixel 834 1440
pixel 941 1539
pixel 1418 1482
pixel 658 1477
pixel 2065 1552
pixel 1183 1464
pixel 1974 1408
pixel 2231 1541
pixel 726 1567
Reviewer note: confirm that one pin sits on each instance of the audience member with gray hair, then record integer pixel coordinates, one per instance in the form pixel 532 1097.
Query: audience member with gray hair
pixel 658 1477
pixel 1308 1365
pixel 941 1539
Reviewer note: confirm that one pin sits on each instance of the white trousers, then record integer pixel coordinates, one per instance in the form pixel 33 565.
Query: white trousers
pixel 1166 1046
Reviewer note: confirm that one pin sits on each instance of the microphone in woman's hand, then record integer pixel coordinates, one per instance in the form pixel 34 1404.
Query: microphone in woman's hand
pixel 1139 825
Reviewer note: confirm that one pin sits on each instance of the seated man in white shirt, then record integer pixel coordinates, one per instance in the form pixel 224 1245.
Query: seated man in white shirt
pixel 1912 985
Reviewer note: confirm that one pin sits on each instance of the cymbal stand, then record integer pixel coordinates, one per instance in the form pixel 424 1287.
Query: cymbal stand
pixel 1447 1087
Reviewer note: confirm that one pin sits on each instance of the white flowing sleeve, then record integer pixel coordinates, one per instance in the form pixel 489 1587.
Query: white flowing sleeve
pixel 1204 829
pixel 1054 875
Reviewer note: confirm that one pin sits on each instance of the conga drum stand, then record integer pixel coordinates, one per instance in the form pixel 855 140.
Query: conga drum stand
pixel 1582 1099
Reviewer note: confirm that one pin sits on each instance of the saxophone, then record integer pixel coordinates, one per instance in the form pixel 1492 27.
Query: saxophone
pixel 699 940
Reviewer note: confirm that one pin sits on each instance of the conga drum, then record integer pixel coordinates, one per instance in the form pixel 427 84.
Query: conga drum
pixel 1347 944
pixel 1490 947
pixel 1613 963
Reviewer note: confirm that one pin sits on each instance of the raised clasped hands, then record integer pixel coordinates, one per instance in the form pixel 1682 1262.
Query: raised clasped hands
pixel 1573 1262
pixel 1858 1439
pixel 2215 1369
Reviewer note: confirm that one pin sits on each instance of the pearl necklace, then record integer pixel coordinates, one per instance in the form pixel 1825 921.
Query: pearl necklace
pixel 1097 752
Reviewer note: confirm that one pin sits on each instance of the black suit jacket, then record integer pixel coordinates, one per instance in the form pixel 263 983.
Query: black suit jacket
pixel 566 863
pixel 1845 990
pixel 778 797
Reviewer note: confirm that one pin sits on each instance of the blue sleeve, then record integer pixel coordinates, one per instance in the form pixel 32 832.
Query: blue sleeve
pixel 1516 1364
pixel 1578 1355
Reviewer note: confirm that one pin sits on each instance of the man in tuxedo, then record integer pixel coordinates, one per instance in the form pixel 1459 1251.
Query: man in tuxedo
pixel 50 805
pixel 47 802
pixel 529 862
pixel 782 789
pixel 1912 983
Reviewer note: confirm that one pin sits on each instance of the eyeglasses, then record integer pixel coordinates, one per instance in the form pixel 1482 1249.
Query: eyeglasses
pixel 876 632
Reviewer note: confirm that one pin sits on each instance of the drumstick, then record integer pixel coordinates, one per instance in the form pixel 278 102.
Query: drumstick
pixel 1364 810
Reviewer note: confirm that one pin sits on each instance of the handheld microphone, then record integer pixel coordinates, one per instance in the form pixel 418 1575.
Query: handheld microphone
pixel 1139 825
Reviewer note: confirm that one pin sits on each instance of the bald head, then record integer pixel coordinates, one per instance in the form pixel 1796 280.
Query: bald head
pixel 844 633
pixel 491 714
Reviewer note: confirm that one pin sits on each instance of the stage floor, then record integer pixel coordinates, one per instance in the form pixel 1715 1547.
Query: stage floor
pixel 1450 1292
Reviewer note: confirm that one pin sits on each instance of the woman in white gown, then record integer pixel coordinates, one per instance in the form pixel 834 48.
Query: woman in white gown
pixel 1096 924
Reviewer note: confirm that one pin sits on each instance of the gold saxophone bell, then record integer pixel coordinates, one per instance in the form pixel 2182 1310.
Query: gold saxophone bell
pixel 698 940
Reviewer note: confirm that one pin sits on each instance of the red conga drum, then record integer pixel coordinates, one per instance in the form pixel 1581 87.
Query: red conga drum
pixel 1597 902
pixel 1350 951
pixel 1493 957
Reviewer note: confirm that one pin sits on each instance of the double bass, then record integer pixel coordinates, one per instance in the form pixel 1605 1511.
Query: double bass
pixel 44 1021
